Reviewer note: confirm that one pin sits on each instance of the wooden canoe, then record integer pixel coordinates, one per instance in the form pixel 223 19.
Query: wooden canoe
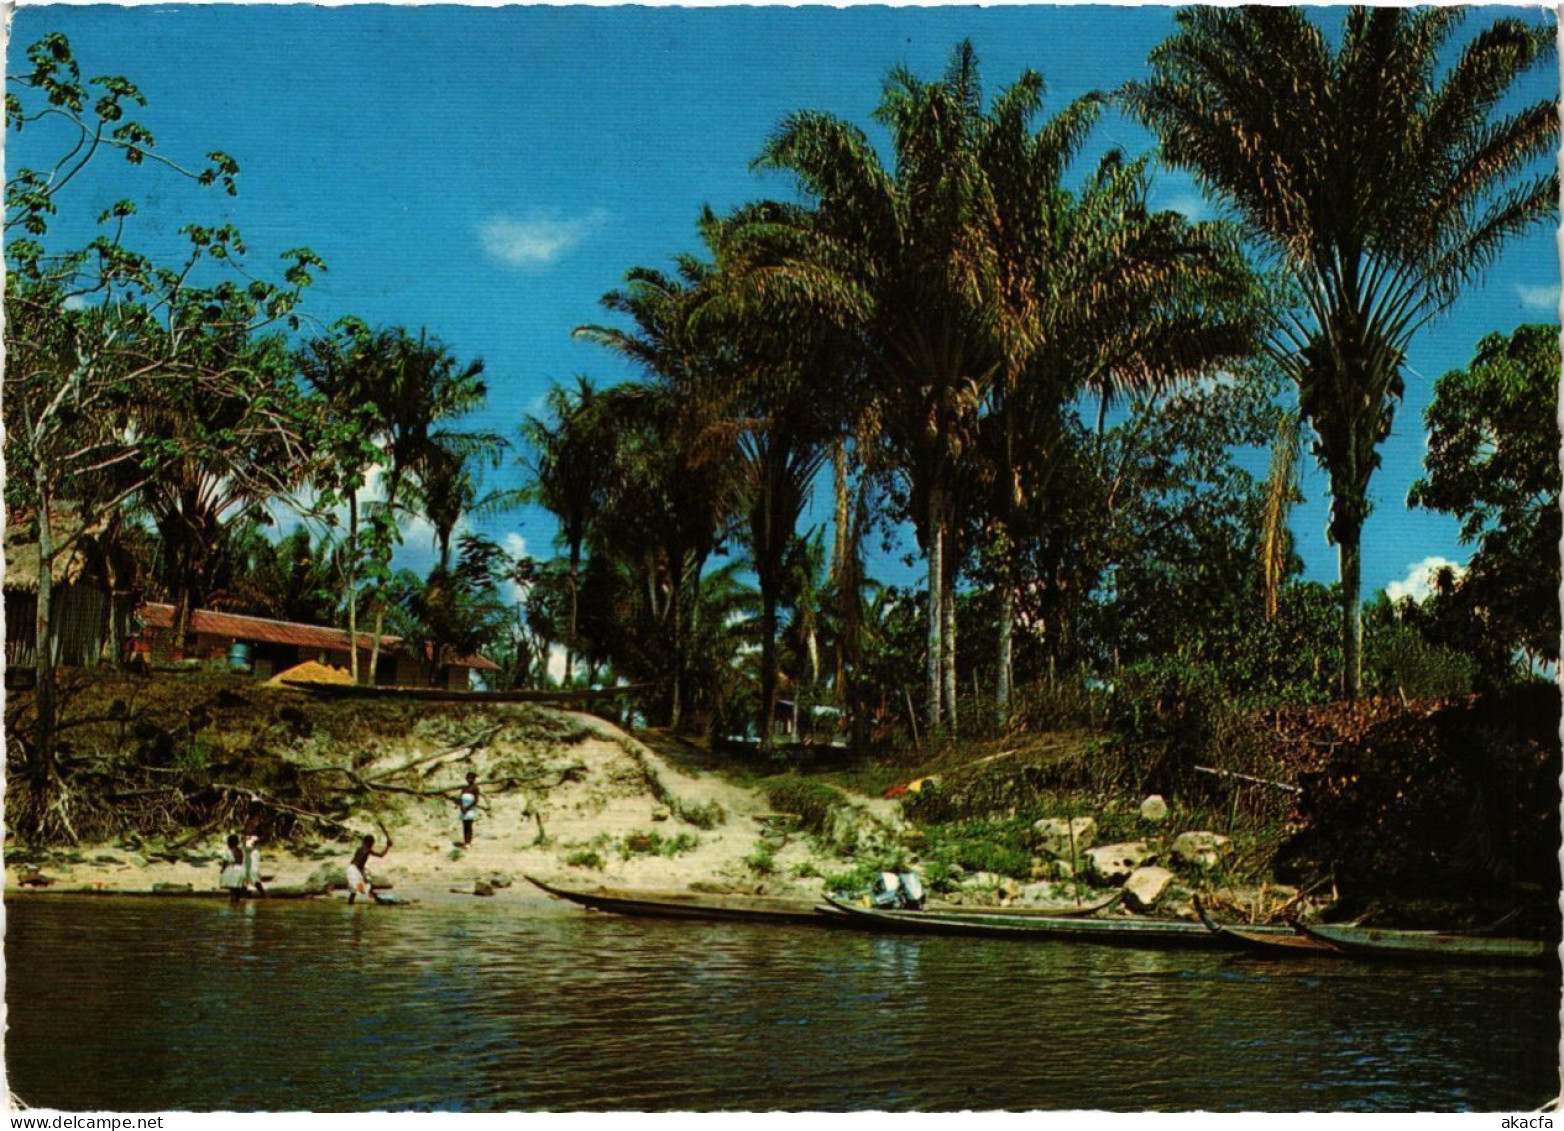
pixel 1427 946
pixel 1111 932
pixel 1267 941
pixel 691 905
pixel 195 893
pixel 1063 912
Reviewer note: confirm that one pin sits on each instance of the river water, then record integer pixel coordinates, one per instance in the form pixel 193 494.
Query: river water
pixel 134 1005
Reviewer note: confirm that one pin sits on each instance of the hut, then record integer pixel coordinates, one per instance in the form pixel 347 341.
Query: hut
pixel 82 595
pixel 276 645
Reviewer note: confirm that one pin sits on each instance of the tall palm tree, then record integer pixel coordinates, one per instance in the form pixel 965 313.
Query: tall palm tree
pixel 1381 179
pixel 902 257
pixel 1106 297
pixel 671 488
pixel 568 455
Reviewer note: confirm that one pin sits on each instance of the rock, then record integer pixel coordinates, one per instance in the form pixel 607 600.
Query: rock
pixel 1114 862
pixel 982 881
pixel 501 880
pixel 661 813
pixel 1145 886
pixel 1154 809
pixel 327 877
pixel 482 888
pixel 1200 849
pixel 1052 835
pixel 173 887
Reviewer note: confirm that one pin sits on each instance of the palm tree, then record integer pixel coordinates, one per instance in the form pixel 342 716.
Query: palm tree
pixel 673 488
pixel 1380 180
pixel 568 455
pixel 902 257
pixel 1105 297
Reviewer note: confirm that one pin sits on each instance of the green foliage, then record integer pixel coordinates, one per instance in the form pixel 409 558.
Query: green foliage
pixel 1492 462
pixel 763 861
pixel 812 802
pixel 586 859
pixel 998 846
pixel 656 844
pixel 1399 661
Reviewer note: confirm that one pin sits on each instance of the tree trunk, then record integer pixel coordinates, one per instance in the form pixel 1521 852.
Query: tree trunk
pixel 570 644
pixel 768 661
pixel 1007 612
pixel 41 769
pixel 936 538
pixel 948 643
pixel 353 584
pixel 374 647
pixel 839 544
pixel 676 705
pixel 1351 553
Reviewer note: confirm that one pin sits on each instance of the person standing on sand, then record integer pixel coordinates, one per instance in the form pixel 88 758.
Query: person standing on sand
pixel 358 871
pixel 468 804
pixel 232 876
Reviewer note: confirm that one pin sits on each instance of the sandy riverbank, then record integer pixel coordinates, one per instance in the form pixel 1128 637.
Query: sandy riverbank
pixel 612 812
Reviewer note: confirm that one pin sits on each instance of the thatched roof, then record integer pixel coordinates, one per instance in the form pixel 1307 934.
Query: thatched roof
pixel 21 553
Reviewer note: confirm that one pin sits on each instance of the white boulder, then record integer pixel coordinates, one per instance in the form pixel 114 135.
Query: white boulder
pixel 1113 863
pixel 1200 849
pixel 1145 886
pixel 1154 809
pixel 1052 835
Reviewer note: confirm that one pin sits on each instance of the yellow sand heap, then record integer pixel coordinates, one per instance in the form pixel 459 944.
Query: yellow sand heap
pixel 311 672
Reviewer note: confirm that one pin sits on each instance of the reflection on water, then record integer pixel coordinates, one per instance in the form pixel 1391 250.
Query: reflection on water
pixel 125 1005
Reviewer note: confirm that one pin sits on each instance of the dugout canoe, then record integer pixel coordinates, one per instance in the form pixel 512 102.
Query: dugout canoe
pixel 1151 933
pixel 1267 941
pixel 194 893
pixel 1428 946
pixel 690 905
pixel 1064 911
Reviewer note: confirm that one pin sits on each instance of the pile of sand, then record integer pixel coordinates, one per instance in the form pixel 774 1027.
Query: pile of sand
pixel 312 672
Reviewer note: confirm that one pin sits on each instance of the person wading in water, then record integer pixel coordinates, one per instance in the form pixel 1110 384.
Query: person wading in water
pixel 358 871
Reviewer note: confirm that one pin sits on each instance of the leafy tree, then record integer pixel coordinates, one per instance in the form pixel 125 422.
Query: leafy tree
pixel 1492 462
pixel 1383 183
pixel 95 335
pixel 458 610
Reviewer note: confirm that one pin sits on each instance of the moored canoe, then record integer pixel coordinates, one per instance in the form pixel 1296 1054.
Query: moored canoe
pixel 690 905
pixel 1428 946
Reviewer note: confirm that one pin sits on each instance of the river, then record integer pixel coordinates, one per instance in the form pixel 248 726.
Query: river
pixel 138 1005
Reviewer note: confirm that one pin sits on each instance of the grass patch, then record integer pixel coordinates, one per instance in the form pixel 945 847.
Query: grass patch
pixel 763 862
pixel 655 844
pixel 586 859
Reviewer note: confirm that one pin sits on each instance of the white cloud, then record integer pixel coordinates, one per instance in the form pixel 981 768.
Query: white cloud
pixel 536 240
pixel 75 302
pixel 516 546
pixel 1545 297
pixel 1194 208
pixel 1418 584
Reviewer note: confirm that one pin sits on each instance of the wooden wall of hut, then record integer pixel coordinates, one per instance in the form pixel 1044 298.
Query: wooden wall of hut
pixel 81 617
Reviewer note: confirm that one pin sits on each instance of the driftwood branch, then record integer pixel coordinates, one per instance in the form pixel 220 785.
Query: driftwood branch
pixel 1248 778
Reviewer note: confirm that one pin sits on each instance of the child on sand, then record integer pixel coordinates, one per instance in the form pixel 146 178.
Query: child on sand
pixel 468 804
pixel 358 871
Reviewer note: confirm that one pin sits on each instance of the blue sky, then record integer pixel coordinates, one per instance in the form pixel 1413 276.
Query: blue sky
pixel 490 173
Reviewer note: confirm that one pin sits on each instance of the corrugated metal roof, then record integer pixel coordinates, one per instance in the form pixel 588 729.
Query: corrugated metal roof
pixel 266 631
